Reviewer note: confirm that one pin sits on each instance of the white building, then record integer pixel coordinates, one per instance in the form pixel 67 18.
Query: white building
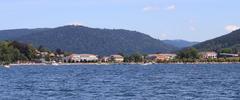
pixel 105 59
pixel 228 55
pixel 207 55
pixel 117 58
pixel 81 58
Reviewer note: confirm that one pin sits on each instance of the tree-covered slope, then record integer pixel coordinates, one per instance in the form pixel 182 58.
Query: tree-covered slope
pixel 80 39
pixel 231 40
pixel 16 33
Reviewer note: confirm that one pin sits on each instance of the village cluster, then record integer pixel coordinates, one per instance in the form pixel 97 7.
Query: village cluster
pixel 116 58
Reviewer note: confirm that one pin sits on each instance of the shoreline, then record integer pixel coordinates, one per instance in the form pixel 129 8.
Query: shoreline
pixel 70 64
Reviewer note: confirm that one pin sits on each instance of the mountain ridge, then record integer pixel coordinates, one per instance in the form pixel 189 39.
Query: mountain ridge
pixel 231 40
pixel 82 39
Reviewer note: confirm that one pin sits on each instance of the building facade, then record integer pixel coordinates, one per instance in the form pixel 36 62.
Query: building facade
pixel 75 58
pixel 208 55
pixel 117 58
pixel 105 59
pixel 228 55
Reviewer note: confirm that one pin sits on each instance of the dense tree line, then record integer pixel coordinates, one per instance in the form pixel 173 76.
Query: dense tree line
pixel 12 51
pixel 136 58
pixel 188 53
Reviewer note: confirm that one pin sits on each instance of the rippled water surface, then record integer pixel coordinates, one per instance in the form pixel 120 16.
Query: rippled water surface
pixel 121 82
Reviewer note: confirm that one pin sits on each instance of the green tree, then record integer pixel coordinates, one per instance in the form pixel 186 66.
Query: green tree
pixel 136 57
pixel 59 51
pixel 188 54
pixel 226 50
pixel 26 49
pixel 8 54
pixel 30 52
pixel 42 49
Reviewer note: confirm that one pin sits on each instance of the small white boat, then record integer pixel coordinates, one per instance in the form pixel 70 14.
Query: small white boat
pixel 6 66
pixel 145 64
pixel 54 63
pixel 98 64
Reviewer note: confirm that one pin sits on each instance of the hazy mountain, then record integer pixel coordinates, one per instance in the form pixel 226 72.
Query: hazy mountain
pixel 231 40
pixel 179 43
pixel 80 39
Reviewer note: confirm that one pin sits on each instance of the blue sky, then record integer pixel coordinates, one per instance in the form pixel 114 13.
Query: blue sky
pixel 194 20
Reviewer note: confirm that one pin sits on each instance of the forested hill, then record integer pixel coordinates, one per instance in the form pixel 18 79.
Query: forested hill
pixel 16 33
pixel 80 39
pixel 231 40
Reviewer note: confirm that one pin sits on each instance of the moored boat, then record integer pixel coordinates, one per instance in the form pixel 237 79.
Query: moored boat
pixel 145 64
pixel 54 63
pixel 6 66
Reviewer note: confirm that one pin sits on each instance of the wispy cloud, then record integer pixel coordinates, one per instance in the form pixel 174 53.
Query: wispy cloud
pixel 151 8
pixel 160 36
pixel 231 28
pixel 192 28
pixel 171 7
pixel 163 36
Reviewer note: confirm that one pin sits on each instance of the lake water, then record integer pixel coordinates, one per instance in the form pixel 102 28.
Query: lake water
pixel 121 82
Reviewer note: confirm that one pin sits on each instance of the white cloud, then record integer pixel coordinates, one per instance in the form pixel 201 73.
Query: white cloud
pixel 192 25
pixel 231 28
pixel 151 8
pixel 157 8
pixel 171 7
pixel 191 21
pixel 161 36
pixel 192 28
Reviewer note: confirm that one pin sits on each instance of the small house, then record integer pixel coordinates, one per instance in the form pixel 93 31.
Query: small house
pixel 208 55
pixel 76 58
pixel 117 58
